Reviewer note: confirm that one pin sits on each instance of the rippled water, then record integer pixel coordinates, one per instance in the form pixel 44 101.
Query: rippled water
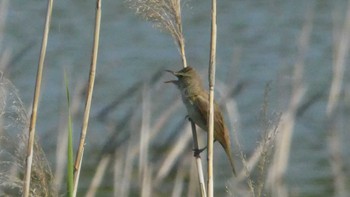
pixel 257 44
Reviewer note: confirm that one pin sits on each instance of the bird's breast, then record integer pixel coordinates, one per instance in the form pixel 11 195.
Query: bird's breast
pixel 193 111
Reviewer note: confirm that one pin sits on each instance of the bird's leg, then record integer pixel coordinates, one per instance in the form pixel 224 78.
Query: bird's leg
pixel 196 152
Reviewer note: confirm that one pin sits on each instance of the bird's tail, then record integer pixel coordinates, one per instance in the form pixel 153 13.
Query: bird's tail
pixel 230 158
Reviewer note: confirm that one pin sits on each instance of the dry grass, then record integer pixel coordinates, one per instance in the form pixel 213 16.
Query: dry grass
pixel 13 149
pixel 165 15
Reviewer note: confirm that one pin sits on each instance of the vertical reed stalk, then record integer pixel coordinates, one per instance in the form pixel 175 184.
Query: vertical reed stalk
pixel 79 156
pixel 340 57
pixel 181 39
pixel 341 51
pixel 181 44
pixel 211 99
pixel 198 161
pixel 31 136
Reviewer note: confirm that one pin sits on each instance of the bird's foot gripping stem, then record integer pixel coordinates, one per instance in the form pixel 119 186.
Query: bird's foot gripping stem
pixel 197 152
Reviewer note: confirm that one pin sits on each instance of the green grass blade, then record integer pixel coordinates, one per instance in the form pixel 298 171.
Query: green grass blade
pixel 70 162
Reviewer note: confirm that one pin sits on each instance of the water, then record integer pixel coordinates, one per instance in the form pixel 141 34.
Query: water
pixel 257 43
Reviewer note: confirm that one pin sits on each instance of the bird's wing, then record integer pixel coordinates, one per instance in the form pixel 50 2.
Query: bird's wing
pixel 221 133
pixel 202 105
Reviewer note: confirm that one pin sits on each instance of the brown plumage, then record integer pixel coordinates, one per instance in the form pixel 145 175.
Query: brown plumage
pixel 196 100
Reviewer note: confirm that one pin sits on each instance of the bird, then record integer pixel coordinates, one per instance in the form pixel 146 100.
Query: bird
pixel 196 100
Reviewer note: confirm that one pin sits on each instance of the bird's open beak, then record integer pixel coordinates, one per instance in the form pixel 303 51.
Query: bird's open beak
pixel 172 72
pixel 171 81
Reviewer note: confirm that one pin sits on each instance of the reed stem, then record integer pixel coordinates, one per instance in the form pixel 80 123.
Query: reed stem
pixel 31 137
pixel 80 152
pixel 212 65
pixel 198 161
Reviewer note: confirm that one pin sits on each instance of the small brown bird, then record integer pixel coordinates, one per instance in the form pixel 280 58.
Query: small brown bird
pixel 196 100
